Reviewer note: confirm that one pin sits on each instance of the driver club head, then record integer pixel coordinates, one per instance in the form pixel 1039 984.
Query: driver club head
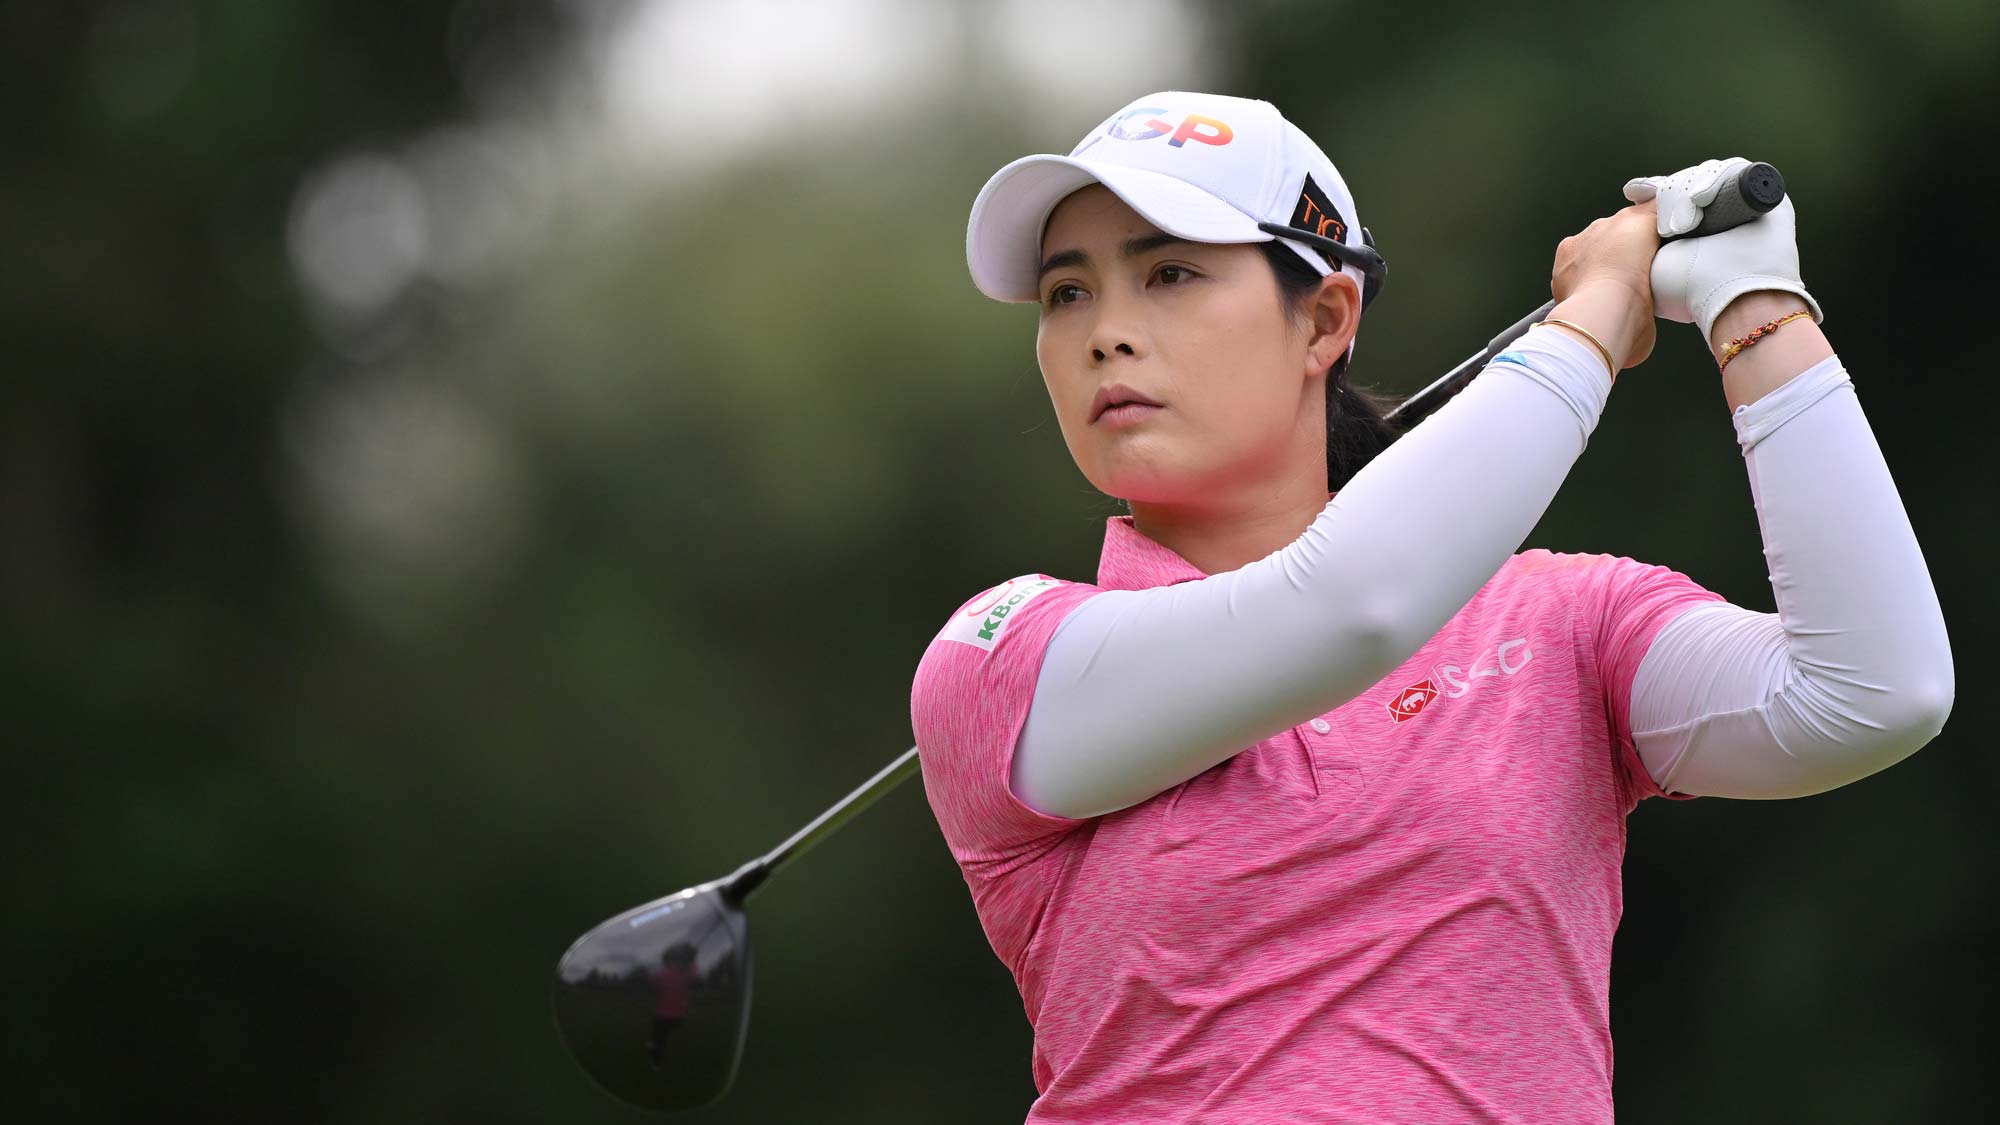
pixel 655 1002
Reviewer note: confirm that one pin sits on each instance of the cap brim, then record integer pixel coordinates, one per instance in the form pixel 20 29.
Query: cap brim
pixel 1003 239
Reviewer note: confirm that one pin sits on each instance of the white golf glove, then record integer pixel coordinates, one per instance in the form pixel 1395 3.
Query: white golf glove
pixel 1694 279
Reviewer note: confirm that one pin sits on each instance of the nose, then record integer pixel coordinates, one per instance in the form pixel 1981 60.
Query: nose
pixel 1111 332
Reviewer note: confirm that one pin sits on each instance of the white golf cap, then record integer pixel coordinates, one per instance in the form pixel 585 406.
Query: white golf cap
pixel 1205 167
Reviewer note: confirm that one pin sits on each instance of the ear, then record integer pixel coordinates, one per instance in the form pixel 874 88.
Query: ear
pixel 1336 315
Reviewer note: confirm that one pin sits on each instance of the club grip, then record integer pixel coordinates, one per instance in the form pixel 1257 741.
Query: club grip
pixel 1751 192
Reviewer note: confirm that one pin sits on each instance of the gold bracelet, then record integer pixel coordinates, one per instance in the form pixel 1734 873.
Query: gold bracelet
pixel 1757 333
pixel 1595 342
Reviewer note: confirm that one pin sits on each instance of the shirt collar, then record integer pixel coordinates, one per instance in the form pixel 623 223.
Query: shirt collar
pixel 1131 561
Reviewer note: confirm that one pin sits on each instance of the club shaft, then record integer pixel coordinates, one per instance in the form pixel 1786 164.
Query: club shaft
pixel 1414 408
pixel 1753 191
pixel 752 874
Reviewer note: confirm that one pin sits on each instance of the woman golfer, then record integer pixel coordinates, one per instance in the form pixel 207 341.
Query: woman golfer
pixel 1310 808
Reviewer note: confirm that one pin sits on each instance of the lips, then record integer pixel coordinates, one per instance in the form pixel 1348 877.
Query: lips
pixel 1117 394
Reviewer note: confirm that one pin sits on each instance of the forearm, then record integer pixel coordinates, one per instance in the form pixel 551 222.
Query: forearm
pixel 1140 690
pixel 1853 672
pixel 1614 314
pixel 1777 356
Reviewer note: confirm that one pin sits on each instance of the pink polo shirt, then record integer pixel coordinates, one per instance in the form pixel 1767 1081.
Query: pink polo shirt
pixel 1399 911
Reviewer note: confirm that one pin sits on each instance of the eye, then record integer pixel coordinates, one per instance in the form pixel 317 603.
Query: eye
pixel 1182 271
pixel 1055 295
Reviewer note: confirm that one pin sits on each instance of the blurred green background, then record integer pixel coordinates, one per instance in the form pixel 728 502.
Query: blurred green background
pixel 469 467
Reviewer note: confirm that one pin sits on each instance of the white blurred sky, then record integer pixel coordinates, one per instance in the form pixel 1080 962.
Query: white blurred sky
pixel 665 91
pixel 400 474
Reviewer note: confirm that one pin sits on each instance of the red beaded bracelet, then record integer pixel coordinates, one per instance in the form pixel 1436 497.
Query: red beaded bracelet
pixel 1761 330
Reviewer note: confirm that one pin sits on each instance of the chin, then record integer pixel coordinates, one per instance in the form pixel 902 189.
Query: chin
pixel 1146 484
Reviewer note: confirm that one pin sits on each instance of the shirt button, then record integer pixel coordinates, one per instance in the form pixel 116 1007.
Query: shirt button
pixel 1321 725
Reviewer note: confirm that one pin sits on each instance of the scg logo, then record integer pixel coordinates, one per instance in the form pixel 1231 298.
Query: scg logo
pixel 1190 128
pixel 1500 665
pixel 1410 702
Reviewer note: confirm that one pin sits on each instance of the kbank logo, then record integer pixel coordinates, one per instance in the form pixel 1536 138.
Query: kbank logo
pixel 1144 123
pixel 981 623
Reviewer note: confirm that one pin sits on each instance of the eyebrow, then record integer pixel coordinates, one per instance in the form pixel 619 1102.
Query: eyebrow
pixel 1132 248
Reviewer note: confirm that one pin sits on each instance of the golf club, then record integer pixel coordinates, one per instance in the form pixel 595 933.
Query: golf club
pixel 1752 191
pixel 654 1003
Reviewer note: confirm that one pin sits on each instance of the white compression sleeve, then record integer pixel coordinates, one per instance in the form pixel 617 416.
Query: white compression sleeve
pixel 1853 672
pixel 1142 689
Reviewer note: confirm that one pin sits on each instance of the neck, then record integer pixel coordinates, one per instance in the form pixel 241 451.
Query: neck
pixel 1223 534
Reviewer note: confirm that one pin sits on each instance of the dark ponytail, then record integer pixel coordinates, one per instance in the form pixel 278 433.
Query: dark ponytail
pixel 1355 428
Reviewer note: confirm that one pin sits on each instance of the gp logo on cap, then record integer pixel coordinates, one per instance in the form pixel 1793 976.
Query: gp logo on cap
pixel 1124 129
